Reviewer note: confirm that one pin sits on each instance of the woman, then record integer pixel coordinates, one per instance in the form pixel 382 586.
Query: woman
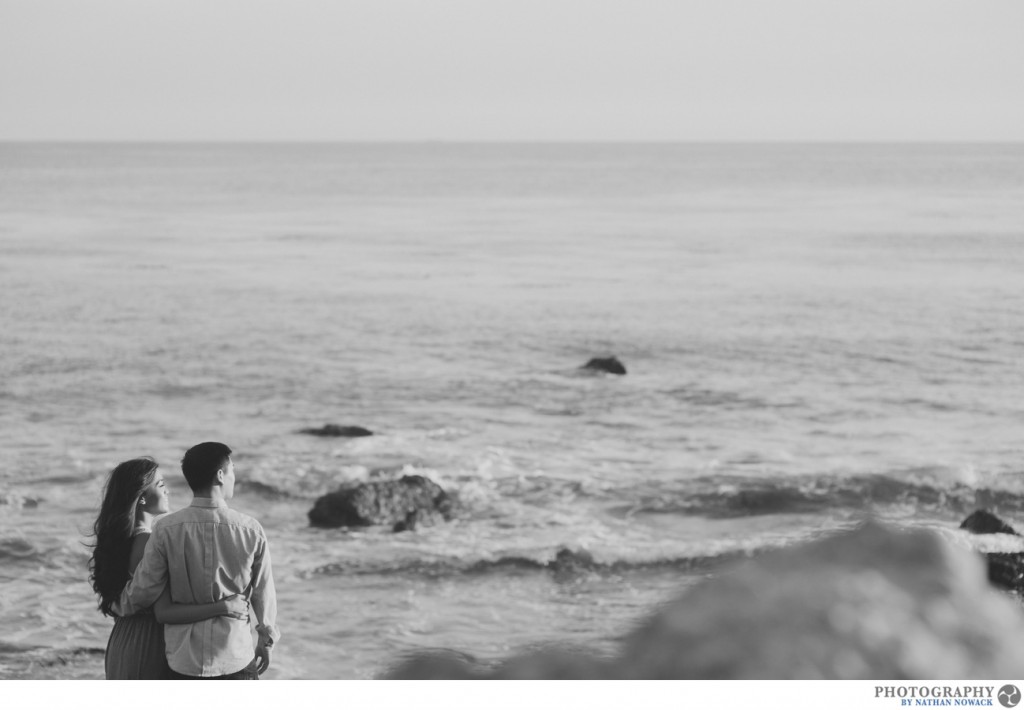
pixel 133 496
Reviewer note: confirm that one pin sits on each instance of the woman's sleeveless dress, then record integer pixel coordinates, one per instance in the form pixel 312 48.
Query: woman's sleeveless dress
pixel 135 650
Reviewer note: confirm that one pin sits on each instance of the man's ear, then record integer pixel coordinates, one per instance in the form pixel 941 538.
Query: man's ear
pixel 220 477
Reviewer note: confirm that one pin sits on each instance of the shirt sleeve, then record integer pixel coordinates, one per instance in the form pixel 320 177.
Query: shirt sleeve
pixel 149 579
pixel 264 595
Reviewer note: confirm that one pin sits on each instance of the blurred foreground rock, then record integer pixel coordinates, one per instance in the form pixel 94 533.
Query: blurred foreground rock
pixel 403 503
pixel 873 603
pixel 1005 569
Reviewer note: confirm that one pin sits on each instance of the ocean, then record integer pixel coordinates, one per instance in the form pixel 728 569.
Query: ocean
pixel 813 333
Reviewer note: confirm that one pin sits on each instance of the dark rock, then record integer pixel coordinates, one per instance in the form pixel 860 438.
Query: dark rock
pixel 337 430
pixel 410 523
pixel 383 503
pixel 572 565
pixel 611 365
pixel 566 559
pixel 1005 569
pixel 16 500
pixel 983 522
pixel 865 604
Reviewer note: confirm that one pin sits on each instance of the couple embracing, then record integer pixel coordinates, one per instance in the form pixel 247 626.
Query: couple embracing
pixel 182 588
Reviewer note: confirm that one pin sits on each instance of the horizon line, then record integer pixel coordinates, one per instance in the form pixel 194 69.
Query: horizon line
pixel 516 141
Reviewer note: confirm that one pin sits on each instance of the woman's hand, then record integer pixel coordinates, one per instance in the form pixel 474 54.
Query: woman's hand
pixel 236 606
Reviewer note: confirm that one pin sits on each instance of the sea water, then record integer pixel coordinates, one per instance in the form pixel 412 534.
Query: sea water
pixel 813 334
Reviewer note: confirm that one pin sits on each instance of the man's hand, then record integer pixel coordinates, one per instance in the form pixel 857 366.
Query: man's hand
pixel 237 607
pixel 263 653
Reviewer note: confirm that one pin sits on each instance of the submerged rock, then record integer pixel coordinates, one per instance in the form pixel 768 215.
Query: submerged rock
pixel 1005 569
pixel 337 430
pixel 866 604
pixel 611 365
pixel 410 499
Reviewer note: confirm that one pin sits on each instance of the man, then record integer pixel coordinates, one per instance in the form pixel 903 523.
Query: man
pixel 204 553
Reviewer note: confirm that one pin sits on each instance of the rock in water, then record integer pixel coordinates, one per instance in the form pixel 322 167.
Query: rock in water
pixel 337 430
pixel 983 522
pixel 570 565
pixel 1005 569
pixel 867 604
pixel 18 501
pixel 411 522
pixel 611 365
pixel 413 498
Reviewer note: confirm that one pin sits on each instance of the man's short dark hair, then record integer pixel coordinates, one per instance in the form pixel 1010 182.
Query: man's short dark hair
pixel 201 463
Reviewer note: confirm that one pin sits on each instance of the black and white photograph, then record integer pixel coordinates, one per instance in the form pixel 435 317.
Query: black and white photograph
pixel 586 340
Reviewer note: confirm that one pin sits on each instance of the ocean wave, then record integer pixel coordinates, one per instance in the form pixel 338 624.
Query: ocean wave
pixel 933 490
pixel 19 549
pixel 496 491
pixel 177 390
pixel 919 403
pixel 926 489
pixel 735 497
pixel 41 364
pixel 564 564
pixel 22 661
pixel 16 648
pixel 268 490
pixel 723 399
pixel 313 483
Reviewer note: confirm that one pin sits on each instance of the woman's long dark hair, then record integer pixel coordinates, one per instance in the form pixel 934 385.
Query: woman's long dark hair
pixel 108 567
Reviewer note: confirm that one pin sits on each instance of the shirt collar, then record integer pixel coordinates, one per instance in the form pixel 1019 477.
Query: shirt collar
pixel 208 503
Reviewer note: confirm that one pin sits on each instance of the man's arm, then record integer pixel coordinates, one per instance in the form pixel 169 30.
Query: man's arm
pixel 264 604
pixel 148 581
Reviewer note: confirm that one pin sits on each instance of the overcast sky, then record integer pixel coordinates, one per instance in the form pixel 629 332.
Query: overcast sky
pixel 511 70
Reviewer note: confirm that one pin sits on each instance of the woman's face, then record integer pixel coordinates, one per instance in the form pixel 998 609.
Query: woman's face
pixel 157 500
